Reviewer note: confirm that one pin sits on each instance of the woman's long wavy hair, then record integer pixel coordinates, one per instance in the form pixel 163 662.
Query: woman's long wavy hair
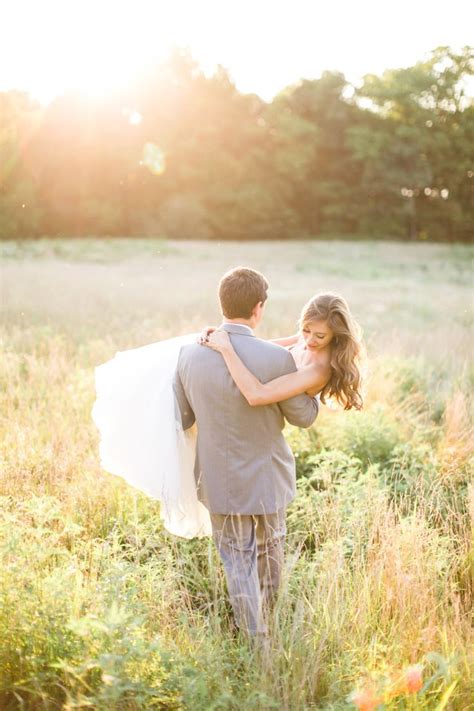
pixel 347 348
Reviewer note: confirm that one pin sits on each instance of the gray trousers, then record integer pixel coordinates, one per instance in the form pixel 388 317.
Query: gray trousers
pixel 251 549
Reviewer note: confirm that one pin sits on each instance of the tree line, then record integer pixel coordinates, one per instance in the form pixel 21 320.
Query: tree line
pixel 184 155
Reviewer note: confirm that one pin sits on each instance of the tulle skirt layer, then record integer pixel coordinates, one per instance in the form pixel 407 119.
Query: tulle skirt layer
pixel 141 436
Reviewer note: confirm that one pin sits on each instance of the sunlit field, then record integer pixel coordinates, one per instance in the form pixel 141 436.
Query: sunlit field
pixel 100 608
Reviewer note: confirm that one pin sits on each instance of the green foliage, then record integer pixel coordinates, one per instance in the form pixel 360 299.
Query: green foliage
pixel 416 152
pixel 20 212
pixel 370 435
pixel 101 608
pixel 390 159
pixel 89 646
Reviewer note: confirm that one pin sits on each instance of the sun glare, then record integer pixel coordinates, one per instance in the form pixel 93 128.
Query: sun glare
pixel 94 48
pixel 99 47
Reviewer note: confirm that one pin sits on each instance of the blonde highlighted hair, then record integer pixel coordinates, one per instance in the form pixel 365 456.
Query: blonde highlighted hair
pixel 347 349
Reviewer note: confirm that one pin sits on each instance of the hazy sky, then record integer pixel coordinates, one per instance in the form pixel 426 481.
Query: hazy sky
pixel 47 45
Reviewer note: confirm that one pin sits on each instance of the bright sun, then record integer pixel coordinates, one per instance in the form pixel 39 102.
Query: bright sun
pixel 94 47
pixel 98 46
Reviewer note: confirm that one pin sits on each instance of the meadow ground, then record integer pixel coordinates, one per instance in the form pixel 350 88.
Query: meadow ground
pixel 102 608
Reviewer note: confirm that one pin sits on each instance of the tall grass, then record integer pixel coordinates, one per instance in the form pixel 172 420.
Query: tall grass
pixel 101 608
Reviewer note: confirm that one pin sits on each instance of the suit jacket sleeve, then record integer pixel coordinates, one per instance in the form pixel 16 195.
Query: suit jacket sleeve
pixel 300 410
pixel 188 417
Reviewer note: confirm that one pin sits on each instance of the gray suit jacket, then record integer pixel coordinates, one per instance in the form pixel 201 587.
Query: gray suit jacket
pixel 243 463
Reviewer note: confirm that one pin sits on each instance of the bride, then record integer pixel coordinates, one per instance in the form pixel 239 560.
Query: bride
pixel 136 414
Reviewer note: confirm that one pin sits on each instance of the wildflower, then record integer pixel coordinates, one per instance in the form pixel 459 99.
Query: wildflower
pixel 413 678
pixel 365 700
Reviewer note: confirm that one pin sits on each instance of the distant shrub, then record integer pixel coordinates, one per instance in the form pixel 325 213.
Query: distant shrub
pixel 370 435
pixel 415 384
pixel 20 211
pixel 101 216
pixel 328 467
pixel 183 216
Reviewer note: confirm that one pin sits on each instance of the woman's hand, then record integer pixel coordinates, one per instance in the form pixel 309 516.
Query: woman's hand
pixel 219 341
pixel 205 333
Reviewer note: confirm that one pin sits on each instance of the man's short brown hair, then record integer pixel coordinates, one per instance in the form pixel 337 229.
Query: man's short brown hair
pixel 240 290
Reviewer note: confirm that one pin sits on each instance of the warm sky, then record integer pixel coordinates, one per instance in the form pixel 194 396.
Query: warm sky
pixel 48 45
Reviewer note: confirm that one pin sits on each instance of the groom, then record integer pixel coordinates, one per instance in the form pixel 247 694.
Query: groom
pixel 244 468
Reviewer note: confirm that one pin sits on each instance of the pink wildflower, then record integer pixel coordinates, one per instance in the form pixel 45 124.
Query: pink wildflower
pixel 413 678
pixel 365 700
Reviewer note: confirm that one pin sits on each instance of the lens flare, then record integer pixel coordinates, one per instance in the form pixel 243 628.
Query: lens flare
pixel 154 158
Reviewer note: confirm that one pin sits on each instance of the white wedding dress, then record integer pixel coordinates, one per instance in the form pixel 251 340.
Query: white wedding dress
pixel 141 435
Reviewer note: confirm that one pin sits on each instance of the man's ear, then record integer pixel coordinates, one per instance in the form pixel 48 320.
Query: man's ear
pixel 255 309
pixel 258 310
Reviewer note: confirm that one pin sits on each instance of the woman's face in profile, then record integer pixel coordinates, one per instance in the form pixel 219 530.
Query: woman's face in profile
pixel 316 334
